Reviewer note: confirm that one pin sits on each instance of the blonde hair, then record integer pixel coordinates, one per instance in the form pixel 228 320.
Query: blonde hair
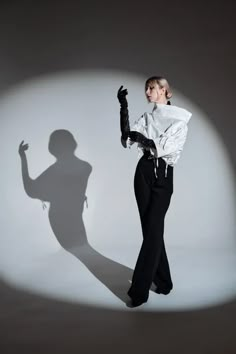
pixel 162 82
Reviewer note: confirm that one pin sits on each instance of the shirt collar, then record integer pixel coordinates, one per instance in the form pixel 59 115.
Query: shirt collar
pixel 159 105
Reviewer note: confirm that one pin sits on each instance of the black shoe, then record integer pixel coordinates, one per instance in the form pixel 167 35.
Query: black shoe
pixel 163 291
pixel 135 303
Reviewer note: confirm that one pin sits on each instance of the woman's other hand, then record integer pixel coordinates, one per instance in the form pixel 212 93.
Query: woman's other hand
pixel 141 139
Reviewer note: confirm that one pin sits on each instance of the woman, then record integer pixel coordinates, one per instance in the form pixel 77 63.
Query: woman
pixel 160 136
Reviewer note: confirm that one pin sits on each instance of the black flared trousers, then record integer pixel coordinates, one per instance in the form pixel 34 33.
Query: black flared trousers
pixel 153 195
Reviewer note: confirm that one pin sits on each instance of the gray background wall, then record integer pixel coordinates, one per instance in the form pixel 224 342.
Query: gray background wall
pixel 191 41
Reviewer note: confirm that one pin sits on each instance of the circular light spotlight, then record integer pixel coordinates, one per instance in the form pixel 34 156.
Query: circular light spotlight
pixel 72 232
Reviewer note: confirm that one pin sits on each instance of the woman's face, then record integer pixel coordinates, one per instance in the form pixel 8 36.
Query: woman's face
pixel 155 94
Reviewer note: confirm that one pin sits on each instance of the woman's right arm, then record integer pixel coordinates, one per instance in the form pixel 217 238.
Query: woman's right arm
pixel 137 133
pixel 124 115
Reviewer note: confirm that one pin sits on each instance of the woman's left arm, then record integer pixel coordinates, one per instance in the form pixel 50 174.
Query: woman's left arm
pixel 172 140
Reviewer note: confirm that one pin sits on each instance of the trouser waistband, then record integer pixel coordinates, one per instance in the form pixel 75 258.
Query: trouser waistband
pixel 149 156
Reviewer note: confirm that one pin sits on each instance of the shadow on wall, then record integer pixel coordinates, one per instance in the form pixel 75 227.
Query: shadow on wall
pixel 64 184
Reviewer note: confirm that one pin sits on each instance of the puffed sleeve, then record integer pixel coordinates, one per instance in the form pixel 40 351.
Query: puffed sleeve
pixel 172 140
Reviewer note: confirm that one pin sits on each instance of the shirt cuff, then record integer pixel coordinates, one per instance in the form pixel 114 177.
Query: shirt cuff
pixel 158 151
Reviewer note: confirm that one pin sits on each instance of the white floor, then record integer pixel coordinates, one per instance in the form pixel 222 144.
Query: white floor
pixel 202 278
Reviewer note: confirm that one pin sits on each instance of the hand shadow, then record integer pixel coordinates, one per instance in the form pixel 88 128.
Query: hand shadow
pixel 64 184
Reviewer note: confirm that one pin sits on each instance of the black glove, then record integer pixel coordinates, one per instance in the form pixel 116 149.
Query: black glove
pixel 124 115
pixel 121 95
pixel 141 139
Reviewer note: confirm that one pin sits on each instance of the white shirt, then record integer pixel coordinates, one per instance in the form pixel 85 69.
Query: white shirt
pixel 167 126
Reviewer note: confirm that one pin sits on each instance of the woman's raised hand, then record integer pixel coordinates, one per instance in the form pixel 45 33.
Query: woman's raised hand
pixel 121 95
